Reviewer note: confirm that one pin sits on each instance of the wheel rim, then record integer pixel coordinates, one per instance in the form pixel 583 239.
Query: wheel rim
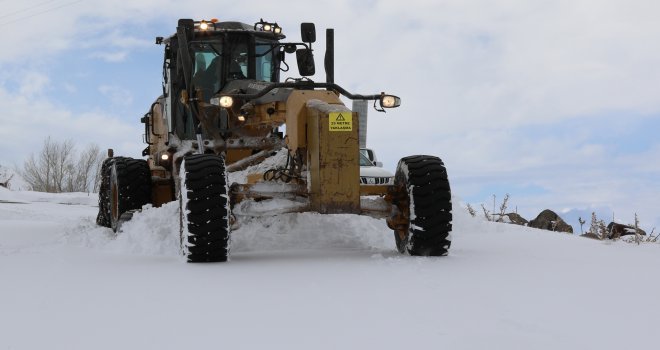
pixel 114 197
pixel 400 217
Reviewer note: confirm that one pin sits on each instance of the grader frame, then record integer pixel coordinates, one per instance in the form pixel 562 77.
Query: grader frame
pixel 196 135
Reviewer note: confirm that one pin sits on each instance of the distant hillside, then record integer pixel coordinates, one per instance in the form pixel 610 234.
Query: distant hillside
pixel 12 179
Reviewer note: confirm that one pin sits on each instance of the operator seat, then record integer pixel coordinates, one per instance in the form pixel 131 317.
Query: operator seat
pixel 208 80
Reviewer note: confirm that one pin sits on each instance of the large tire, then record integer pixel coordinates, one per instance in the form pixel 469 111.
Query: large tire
pixel 204 208
pixel 129 188
pixel 103 217
pixel 426 203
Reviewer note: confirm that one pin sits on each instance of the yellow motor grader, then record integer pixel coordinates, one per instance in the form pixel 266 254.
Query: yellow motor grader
pixel 222 108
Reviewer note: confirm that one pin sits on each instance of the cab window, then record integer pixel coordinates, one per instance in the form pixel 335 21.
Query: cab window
pixel 266 67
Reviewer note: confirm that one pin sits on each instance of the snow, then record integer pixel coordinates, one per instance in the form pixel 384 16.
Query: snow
pixel 278 160
pixel 14 179
pixel 311 281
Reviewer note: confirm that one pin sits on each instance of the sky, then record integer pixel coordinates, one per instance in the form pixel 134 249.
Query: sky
pixel 553 102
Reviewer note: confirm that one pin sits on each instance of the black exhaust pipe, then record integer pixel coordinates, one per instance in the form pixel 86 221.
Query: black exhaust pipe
pixel 329 61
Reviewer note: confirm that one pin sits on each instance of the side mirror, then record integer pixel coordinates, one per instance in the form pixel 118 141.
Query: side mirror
pixel 290 48
pixel 378 164
pixel 308 32
pixel 305 59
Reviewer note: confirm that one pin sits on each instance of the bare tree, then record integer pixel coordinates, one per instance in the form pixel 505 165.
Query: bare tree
pixel 59 168
pixel 64 162
pixel 83 174
pixel 38 170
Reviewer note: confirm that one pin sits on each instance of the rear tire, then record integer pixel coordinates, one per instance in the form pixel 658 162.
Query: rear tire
pixel 125 186
pixel 426 203
pixel 204 208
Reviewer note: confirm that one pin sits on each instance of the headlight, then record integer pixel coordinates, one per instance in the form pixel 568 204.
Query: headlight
pixel 223 101
pixel 389 101
pixel 203 25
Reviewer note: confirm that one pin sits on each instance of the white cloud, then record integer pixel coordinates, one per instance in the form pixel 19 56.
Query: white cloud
pixel 70 88
pixel 112 57
pixel 32 83
pixel 117 95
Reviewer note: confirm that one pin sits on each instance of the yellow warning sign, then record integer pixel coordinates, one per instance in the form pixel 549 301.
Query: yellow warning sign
pixel 341 121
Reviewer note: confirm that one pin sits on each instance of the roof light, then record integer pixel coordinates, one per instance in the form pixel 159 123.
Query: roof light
pixel 268 27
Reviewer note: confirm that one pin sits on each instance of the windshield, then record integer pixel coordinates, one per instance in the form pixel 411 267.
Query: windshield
pixel 207 67
pixel 214 59
pixel 364 161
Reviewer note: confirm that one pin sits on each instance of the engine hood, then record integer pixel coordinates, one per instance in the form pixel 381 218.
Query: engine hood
pixel 374 171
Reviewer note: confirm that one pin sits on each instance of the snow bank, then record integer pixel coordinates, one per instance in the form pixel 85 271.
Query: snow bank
pixel 71 198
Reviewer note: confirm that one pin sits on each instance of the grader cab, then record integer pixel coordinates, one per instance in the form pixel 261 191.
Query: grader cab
pixel 222 108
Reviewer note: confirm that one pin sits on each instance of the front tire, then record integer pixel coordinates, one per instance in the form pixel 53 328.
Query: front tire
pixel 204 208
pixel 125 186
pixel 424 202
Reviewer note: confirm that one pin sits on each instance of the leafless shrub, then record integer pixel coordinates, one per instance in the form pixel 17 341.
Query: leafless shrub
pixel 582 222
pixel 491 216
pixel 503 208
pixel 471 210
pixel 638 237
pixel 486 213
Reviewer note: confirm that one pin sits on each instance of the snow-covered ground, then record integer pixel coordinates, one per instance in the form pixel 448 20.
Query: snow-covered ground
pixel 307 281
pixel 13 180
